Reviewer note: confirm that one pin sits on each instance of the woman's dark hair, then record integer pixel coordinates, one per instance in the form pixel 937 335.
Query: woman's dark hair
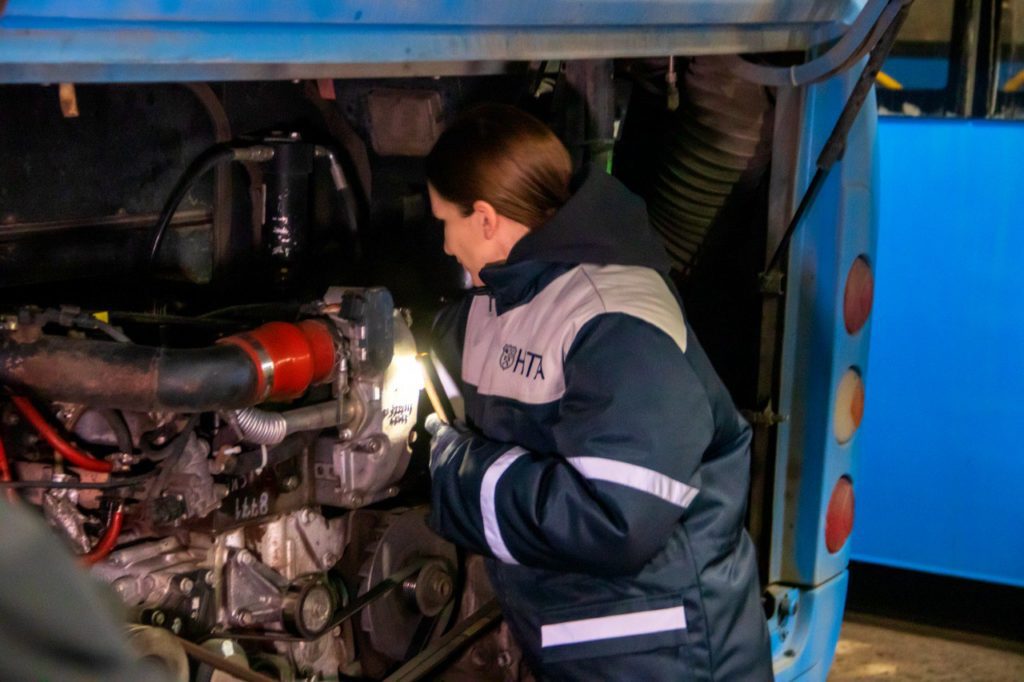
pixel 506 157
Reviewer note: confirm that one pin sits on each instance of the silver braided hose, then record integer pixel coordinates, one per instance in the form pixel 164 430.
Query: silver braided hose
pixel 262 427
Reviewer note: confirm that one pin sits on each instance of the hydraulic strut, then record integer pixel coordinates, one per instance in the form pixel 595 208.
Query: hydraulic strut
pixel 835 146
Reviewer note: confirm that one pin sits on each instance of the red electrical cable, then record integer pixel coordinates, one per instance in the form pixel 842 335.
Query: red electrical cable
pixel 5 472
pixel 79 459
pixel 107 542
pixel 72 454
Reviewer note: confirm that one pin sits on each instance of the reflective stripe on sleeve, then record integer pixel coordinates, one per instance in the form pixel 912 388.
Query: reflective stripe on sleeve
pixel 636 477
pixel 492 533
pixel 608 627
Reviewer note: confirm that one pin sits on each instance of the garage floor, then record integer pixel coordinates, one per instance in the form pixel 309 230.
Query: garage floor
pixel 873 649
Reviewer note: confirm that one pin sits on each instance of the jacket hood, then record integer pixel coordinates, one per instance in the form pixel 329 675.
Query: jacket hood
pixel 602 223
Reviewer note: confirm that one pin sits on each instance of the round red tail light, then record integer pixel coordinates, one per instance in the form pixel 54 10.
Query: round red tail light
pixel 839 516
pixel 858 296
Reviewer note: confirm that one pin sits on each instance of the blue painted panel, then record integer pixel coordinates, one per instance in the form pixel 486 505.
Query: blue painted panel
pixel 443 12
pixel 817 350
pixel 942 464
pixel 151 40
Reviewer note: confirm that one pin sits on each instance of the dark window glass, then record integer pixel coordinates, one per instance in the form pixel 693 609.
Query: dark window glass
pixel 1010 73
pixel 914 78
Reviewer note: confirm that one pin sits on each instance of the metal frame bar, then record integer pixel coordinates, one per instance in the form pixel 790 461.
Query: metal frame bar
pixel 144 40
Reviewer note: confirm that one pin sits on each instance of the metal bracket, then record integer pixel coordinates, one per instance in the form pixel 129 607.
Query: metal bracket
pixel 68 100
pixel 770 283
pixel 766 417
pixel 381 589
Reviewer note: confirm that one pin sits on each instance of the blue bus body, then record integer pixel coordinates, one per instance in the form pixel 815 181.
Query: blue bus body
pixel 123 40
pixel 50 41
pixel 939 477
pixel 817 352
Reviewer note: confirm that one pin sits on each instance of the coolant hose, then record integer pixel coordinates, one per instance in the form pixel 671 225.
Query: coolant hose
pixel 127 376
pixel 277 361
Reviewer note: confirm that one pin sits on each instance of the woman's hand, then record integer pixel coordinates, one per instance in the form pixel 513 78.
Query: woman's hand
pixel 442 436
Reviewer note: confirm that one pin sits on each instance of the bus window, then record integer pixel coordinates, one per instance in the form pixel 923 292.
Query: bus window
pixel 914 79
pixel 1010 95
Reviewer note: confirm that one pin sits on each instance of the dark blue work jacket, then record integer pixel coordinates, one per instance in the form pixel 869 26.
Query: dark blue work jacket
pixel 606 471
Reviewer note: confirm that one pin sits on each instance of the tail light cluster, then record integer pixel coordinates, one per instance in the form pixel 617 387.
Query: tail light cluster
pixel 849 406
pixel 839 516
pixel 858 296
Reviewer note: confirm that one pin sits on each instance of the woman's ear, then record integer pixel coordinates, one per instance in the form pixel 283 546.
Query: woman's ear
pixel 488 217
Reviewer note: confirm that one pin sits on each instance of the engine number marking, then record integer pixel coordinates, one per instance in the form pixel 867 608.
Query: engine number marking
pixel 250 507
pixel 398 414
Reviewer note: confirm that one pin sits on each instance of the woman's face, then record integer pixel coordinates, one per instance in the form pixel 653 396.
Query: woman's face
pixel 464 236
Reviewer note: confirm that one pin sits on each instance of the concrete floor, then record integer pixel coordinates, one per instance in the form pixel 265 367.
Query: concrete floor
pixel 874 649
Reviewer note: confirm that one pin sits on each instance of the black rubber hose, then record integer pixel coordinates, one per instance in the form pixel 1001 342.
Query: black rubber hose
pixel 177 446
pixel 127 376
pixel 352 219
pixel 118 426
pixel 348 197
pixel 202 163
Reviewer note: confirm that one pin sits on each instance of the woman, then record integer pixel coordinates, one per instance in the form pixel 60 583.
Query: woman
pixel 604 469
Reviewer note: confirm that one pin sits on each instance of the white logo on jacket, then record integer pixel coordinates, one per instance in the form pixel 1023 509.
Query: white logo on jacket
pixel 525 363
pixel 508 356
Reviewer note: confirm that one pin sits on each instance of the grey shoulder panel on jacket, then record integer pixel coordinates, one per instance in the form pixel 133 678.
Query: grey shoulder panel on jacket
pixel 640 293
pixel 521 354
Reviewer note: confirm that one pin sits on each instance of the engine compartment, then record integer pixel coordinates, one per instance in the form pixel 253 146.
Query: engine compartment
pixel 220 521
pixel 216 300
